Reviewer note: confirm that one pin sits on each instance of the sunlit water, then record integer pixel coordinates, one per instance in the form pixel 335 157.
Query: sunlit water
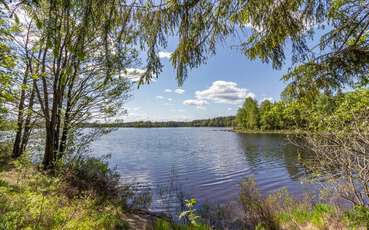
pixel 205 163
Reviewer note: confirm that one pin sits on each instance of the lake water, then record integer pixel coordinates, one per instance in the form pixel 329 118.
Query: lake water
pixel 205 163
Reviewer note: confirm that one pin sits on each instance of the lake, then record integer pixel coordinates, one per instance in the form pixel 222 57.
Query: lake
pixel 205 163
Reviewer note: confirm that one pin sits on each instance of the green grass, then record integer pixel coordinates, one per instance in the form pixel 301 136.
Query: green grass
pixel 30 199
pixel 165 225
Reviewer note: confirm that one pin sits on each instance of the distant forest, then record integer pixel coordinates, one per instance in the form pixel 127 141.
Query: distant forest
pixel 213 122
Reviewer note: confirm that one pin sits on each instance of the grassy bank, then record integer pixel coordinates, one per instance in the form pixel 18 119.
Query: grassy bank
pixel 31 199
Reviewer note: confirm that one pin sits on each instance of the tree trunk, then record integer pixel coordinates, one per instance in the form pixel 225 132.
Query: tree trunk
pixel 64 137
pixel 27 124
pixel 68 110
pixel 17 151
pixel 48 161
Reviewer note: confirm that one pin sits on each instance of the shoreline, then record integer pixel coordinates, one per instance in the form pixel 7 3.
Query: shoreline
pixel 281 132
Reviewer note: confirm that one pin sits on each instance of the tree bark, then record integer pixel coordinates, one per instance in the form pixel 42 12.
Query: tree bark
pixel 17 150
pixel 27 125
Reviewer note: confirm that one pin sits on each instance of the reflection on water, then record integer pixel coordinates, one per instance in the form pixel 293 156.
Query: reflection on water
pixel 205 163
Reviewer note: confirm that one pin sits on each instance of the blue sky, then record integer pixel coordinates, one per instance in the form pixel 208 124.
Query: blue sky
pixel 216 88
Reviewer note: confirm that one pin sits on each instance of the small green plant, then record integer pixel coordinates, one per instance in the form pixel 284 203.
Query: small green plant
pixel 358 216
pixel 162 225
pixel 190 213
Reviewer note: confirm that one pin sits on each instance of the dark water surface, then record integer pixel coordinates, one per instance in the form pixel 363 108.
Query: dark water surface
pixel 205 163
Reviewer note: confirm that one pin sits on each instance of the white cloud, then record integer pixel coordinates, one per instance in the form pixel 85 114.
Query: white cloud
pixel 229 109
pixel 133 74
pixel 159 97
pixel 200 104
pixel 167 90
pixel 170 99
pixel 179 91
pixel 165 54
pixel 225 92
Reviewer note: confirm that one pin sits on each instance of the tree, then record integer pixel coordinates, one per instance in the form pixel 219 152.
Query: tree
pixel 295 115
pixel 340 156
pixel 274 118
pixel 265 108
pixel 248 115
pixel 346 109
pixel 24 97
pixel 268 29
pixel 77 60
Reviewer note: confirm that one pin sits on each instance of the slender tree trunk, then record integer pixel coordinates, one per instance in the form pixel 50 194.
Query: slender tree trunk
pixel 66 127
pixel 64 137
pixel 27 125
pixel 17 151
pixel 68 110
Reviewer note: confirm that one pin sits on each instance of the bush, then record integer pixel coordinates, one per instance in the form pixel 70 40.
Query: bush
pixel 258 213
pixel 90 175
pixel 282 211
pixel 5 151
pixel 93 176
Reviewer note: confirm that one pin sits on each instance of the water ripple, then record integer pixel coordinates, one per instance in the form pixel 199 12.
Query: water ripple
pixel 202 162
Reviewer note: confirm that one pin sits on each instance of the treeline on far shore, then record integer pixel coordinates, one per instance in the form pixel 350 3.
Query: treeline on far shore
pixel 212 122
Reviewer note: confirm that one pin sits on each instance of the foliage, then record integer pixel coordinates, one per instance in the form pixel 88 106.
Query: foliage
pixel 339 59
pixel 280 210
pixel 326 112
pixel 30 199
pixel 265 108
pixel 93 177
pixel 190 213
pixel 359 215
pixel 161 224
pixel 213 122
pixel 257 211
pixel 7 63
pixel 344 58
pixel 350 107
pixel 341 158
pixel 248 115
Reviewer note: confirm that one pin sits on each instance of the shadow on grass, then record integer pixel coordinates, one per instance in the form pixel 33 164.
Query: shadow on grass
pixel 5 157
pixel 9 187
pixel 6 165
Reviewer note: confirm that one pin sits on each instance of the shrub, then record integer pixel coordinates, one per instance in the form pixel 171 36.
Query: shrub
pixel 257 211
pixel 190 214
pixel 280 210
pixel 5 151
pixel 91 175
